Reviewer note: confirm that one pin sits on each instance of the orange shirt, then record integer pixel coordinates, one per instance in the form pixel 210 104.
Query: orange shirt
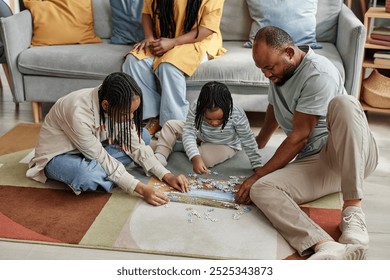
pixel 187 57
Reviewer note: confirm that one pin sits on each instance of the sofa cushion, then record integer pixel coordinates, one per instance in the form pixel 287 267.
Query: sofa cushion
pixel 233 27
pixel 92 61
pixel 126 21
pixel 296 17
pixel 102 18
pixel 330 51
pixel 235 67
pixel 327 20
pixel 59 22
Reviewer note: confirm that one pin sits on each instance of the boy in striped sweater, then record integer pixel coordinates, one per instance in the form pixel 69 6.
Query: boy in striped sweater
pixel 215 130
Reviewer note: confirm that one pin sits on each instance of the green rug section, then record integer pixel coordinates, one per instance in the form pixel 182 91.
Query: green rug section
pixel 110 221
pixel 331 201
pixel 13 173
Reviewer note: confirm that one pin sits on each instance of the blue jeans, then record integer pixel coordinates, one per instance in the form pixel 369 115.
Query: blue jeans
pixel 167 97
pixel 82 174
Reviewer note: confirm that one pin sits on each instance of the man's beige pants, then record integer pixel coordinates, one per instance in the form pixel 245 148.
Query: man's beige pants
pixel 349 156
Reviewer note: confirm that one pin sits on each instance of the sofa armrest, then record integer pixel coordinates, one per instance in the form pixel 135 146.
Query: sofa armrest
pixel 350 44
pixel 16 32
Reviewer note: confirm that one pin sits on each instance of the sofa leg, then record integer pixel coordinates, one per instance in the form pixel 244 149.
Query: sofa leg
pixel 37 111
pixel 8 76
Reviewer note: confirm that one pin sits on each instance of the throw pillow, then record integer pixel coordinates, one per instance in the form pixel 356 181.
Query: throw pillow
pixel 126 21
pixel 327 20
pixel 61 22
pixel 296 17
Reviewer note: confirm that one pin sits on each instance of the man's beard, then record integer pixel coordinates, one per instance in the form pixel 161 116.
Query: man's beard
pixel 287 74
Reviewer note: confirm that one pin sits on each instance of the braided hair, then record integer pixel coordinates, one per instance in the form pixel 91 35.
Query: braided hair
pixel 163 9
pixel 119 89
pixel 213 95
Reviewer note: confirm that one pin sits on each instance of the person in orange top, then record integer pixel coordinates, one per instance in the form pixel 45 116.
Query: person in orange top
pixel 179 36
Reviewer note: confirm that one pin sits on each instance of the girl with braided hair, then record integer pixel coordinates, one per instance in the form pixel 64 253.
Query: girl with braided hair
pixel 214 131
pixel 179 36
pixel 90 135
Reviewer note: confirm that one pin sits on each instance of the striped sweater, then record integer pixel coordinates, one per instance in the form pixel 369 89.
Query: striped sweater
pixel 237 134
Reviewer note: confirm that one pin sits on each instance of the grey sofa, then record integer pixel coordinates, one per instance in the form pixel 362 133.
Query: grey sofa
pixel 44 74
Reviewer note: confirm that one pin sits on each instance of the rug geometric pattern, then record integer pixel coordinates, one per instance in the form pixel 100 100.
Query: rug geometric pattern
pixel 50 212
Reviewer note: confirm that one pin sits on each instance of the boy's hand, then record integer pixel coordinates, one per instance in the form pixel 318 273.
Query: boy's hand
pixel 178 182
pixel 198 165
pixel 151 195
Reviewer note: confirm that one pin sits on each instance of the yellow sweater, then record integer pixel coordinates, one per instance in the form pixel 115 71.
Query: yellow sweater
pixel 187 57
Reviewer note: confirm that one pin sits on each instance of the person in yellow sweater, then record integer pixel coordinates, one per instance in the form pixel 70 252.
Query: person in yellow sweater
pixel 179 36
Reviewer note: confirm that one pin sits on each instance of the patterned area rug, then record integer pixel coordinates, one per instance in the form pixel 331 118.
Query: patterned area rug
pixel 195 226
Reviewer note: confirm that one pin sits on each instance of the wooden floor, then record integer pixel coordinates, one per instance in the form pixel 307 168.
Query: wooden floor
pixel 376 203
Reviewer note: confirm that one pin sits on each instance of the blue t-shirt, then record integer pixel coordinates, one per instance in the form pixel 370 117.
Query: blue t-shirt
pixel 314 83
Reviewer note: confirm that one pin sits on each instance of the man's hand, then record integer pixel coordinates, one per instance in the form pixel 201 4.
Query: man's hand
pixel 151 195
pixel 178 182
pixel 198 165
pixel 242 196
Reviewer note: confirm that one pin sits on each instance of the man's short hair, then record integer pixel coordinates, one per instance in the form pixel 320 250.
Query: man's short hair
pixel 274 37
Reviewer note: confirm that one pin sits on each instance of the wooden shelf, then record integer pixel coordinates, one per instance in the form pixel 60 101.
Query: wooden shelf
pixel 367 107
pixel 377 12
pixel 377 47
pixel 368 62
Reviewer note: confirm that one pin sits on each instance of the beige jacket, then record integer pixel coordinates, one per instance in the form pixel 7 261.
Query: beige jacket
pixel 72 125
